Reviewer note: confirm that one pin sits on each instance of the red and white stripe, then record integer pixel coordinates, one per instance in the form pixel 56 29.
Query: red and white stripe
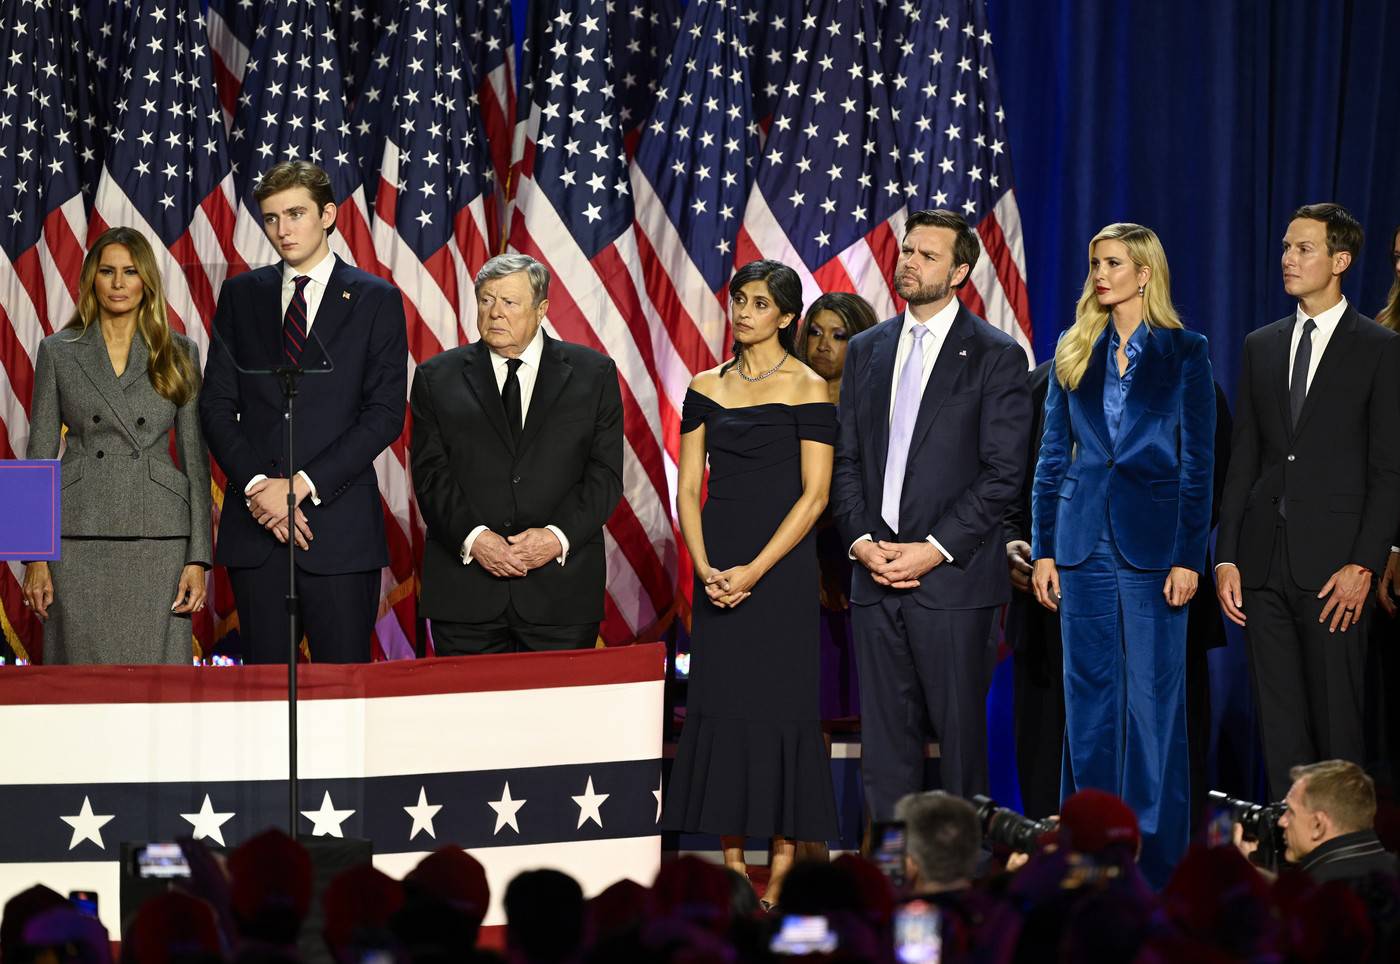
pixel 496 104
pixel 230 60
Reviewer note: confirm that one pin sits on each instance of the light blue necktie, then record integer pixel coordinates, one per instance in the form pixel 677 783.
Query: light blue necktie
pixel 907 395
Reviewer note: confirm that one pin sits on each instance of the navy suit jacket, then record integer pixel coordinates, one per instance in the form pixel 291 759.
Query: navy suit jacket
pixel 966 460
pixel 344 418
pixel 1155 482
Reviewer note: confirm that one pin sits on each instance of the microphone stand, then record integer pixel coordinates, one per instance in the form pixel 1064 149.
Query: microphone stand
pixel 288 379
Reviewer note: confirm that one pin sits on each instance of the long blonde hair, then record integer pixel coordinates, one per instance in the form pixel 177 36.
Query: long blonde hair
pixel 171 371
pixel 1091 318
pixel 1390 314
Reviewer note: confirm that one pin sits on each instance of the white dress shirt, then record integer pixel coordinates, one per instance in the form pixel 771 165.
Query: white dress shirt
pixel 320 276
pixel 1326 322
pixel 526 374
pixel 938 327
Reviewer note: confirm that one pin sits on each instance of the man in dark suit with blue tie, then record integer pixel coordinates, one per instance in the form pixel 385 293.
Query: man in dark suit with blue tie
pixel 346 328
pixel 1312 500
pixel 930 451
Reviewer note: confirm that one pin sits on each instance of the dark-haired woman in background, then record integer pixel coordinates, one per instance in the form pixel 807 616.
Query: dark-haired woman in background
pixel 832 320
pixel 136 539
pixel 751 762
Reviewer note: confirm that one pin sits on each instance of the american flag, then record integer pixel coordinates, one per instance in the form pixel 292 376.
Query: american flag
pixel 953 145
pixel 829 197
pixel 574 213
pixel 772 32
pixel 87 35
pixel 42 223
pixel 641 35
pixel 490 50
pixel 358 24
pixel 231 26
pixel 690 178
pixel 291 104
pixel 167 175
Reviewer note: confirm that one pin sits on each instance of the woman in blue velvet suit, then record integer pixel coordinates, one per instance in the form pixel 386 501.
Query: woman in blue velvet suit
pixel 1120 518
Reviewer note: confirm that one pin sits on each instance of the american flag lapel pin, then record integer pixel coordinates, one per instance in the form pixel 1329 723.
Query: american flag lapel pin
pixel 963 353
pixel 345 295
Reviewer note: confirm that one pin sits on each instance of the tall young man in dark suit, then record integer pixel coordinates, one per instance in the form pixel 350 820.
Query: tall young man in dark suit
pixel 930 450
pixel 346 328
pixel 517 463
pixel 1311 500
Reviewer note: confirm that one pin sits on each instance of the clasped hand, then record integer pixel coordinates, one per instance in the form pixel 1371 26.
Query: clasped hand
pixel 514 557
pixel 731 586
pixel 267 503
pixel 898 565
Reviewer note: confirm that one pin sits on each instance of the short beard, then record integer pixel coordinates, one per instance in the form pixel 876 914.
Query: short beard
pixel 928 295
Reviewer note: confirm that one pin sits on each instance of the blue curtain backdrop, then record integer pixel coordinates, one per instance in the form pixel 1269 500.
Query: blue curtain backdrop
pixel 1211 122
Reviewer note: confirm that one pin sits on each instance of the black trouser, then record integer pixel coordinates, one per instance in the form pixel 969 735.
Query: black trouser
pixel 920 670
pixel 509 633
pixel 1308 682
pixel 336 612
pixel 1038 703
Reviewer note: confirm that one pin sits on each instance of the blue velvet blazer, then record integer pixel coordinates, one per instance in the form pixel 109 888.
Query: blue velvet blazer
pixel 1154 483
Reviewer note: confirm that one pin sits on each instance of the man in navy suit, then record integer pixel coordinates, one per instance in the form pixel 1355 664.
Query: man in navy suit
pixel 930 451
pixel 346 328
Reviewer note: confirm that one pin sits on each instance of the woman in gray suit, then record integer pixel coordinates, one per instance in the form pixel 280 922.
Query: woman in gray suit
pixel 135 525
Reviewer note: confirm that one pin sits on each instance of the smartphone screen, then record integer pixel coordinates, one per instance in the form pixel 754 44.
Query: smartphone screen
pixel 890 839
pixel 84 900
pixel 803 935
pixel 161 860
pixel 918 933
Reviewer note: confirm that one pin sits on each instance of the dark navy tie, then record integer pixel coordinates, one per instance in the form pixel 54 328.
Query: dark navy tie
pixel 294 324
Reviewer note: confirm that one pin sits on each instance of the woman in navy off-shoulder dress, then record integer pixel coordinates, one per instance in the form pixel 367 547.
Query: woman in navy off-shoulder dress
pixel 751 760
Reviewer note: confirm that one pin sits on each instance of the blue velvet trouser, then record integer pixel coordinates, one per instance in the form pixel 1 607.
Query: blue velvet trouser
pixel 1125 697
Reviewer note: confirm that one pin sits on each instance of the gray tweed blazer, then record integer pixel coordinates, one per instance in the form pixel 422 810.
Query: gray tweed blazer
pixel 117 475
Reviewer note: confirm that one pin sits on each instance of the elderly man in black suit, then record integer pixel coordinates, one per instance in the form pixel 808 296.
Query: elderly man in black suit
pixel 1312 499
pixel 517 463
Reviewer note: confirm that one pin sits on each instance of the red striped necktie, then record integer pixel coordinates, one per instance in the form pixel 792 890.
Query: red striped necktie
pixel 294 323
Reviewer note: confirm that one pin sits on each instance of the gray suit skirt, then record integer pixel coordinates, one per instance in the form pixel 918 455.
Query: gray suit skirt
pixel 111 603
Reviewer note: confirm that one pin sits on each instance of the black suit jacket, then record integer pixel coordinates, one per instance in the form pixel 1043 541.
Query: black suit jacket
pixel 565 471
pixel 1339 470
pixel 967 458
pixel 344 418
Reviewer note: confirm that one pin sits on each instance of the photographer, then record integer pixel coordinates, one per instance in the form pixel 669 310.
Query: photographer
pixel 1328 824
pixel 944 842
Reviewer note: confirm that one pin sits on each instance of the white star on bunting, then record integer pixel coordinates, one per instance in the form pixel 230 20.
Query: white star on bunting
pixel 423 814
pixel 328 819
pixel 506 809
pixel 590 806
pixel 207 823
pixel 88 825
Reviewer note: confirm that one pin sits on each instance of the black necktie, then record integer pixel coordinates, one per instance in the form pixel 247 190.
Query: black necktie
pixel 1298 384
pixel 294 322
pixel 510 397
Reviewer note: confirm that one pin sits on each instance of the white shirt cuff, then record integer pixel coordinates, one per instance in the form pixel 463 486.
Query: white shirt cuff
pixel 563 542
pixel 1219 564
pixel 315 499
pixel 850 553
pixel 467 544
pixel 947 556
pixel 1395 548
pixel 252 482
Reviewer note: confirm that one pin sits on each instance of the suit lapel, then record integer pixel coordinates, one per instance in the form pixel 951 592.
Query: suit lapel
pixel 1090 391
pixel 882 385
pixel 1279 374
pixel 482 381
pixel 953 358
pixel 1149 377
pixel 331 314
pixel 91 352
pixel 267 315
pixel 549 382
pixel 1331 368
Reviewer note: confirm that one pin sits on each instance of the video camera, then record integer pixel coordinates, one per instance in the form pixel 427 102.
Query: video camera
pixel 1259 821
pixel 1012 830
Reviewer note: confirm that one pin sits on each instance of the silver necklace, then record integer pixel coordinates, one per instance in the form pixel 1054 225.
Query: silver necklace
pixel 758 378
